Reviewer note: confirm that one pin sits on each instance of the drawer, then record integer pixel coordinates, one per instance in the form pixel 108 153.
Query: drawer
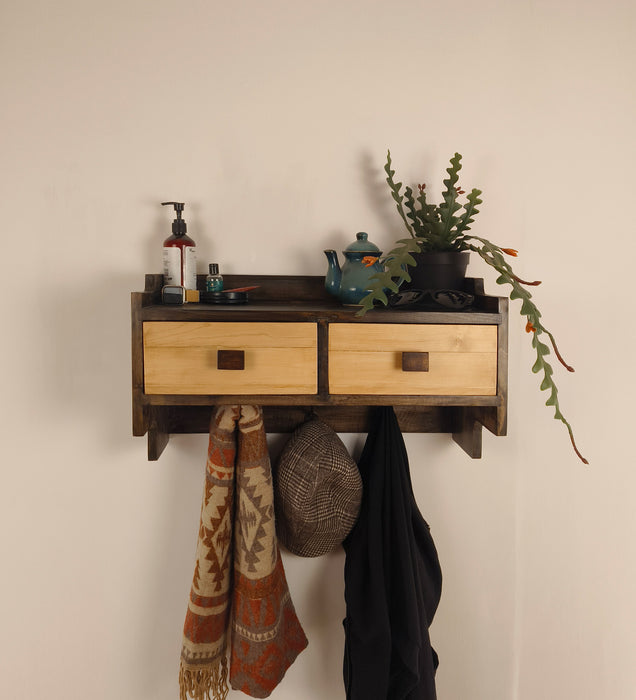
pixel 183 358
pixel 440 359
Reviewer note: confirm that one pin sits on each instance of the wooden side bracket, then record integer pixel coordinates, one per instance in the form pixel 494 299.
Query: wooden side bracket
pixel 158 433
pixel 467 431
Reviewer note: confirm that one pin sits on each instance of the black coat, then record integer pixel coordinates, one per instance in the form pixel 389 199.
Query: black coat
pixel 393 579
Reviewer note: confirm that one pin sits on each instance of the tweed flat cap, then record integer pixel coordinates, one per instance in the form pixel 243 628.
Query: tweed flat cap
pixel 317 491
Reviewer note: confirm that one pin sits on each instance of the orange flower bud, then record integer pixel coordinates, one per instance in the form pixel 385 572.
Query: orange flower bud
pixel 369 260
pixel 510 251
pixel 530 328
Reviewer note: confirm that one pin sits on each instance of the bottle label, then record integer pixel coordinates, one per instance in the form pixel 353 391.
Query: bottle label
pixel 172 265
pixel 190 267
pixel 214 283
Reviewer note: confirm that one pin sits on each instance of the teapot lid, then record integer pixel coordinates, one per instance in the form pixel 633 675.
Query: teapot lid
pixel 362 245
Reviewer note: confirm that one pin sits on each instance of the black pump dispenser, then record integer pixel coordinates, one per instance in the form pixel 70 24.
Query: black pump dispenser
pixel 179 227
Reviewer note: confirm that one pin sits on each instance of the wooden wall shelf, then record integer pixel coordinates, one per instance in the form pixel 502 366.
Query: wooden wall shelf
pixel 293 348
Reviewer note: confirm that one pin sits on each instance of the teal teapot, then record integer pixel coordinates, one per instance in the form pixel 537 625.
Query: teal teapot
pixel 351 282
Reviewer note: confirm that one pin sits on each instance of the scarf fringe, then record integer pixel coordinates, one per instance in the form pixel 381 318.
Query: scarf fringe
pixel 203 683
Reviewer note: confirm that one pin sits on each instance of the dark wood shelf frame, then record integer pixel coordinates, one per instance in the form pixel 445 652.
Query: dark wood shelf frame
pixel 303 298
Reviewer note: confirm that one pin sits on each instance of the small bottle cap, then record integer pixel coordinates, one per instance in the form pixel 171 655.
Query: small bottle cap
pixel 214 268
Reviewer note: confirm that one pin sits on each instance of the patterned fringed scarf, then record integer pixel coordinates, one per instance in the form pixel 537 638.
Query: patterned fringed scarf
pixel 239 597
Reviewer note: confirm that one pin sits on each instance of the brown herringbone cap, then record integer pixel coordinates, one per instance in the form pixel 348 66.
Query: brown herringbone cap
pixel 317 492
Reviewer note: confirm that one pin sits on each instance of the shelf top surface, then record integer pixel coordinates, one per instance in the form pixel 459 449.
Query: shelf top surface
pixel 303 298
pixel 310 312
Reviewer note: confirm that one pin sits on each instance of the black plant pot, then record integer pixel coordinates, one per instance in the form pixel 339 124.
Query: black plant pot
pixel 445 270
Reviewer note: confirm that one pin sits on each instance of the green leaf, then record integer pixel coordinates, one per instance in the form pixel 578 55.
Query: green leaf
pixel 395 192
pixel 545 384
pixel 542 348
pixel 553 400
pixel 527 308
pixel 449 206
pixel 453 173
pixel 470 211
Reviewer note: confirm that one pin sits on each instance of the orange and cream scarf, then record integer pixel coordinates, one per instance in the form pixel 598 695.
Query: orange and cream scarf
pixel 239 602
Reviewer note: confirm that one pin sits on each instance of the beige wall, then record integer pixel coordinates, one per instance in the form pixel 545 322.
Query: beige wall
pixel 272 120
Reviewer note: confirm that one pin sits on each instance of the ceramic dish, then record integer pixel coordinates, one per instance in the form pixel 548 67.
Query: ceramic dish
pixel 223 297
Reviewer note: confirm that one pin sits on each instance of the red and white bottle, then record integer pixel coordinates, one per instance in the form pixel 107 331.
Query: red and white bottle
pixel 179 253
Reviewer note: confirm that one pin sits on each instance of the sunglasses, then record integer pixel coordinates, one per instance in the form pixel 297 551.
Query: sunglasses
pixel 448 298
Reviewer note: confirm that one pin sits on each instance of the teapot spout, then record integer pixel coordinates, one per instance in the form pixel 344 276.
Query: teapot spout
pixel 334 273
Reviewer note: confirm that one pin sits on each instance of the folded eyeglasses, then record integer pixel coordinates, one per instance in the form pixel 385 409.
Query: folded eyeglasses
pixel 448 298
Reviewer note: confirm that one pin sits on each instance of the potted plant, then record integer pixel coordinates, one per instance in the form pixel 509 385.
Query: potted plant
pixel 443 231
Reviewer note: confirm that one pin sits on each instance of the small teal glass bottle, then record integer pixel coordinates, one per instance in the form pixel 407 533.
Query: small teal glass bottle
pixel 214 281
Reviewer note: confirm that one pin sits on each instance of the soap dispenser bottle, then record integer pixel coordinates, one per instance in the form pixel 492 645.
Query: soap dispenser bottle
pixel 179 253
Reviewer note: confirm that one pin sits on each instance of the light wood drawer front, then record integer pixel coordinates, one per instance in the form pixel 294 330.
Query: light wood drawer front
pixel 181 358
pixel 367 359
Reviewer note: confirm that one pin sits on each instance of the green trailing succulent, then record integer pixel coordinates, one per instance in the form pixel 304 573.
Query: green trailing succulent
pixel 444 227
